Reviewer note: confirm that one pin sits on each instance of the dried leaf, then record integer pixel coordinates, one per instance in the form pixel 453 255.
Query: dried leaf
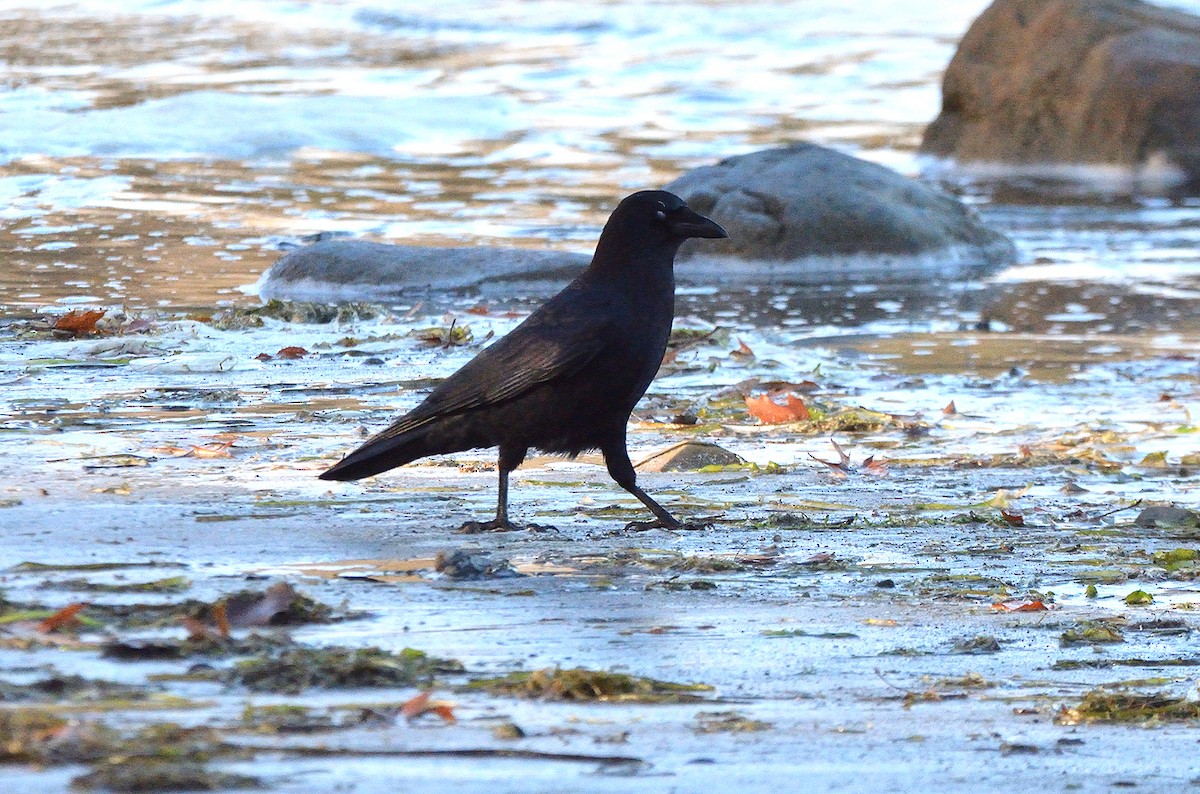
pixel 877 467
pixel 61 618
pixel 1022 606
pixel 1013 519
pixel 951 409
pixel 842 467
pixel 743 351
pixel 196 629
pixel 221 618
pixel 277 598
pixel 291 352
pixel 79 322
pixel 769 412
pixel 422 704
pixel 217 450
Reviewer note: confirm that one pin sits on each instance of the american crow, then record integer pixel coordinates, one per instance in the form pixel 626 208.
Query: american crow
pixel 566 379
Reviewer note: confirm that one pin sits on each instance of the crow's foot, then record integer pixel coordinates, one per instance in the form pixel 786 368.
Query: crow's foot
pixel 671 526
pixel 496 525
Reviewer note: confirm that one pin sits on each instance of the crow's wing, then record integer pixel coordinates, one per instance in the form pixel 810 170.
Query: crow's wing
pixel 544 348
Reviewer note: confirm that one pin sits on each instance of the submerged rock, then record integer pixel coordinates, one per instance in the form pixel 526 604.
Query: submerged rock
pixel 1092 82
pixel 1167 516
pixel 808 213
pixel 803 213
pixel 358 269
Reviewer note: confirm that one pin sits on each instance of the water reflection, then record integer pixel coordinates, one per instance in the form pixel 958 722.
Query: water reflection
pixel 158 155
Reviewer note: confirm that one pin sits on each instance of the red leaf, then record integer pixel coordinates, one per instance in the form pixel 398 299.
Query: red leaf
pixel 292 352
pixel 951 409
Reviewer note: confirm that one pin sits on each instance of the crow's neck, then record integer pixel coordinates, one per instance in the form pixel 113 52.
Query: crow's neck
pixel 648 268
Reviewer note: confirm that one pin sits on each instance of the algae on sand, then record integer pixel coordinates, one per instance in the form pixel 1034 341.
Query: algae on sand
pixel 297 669
pixel 1100 705
pixel 578 684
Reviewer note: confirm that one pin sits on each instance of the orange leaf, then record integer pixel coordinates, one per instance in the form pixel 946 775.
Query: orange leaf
pixel 79 322
pixel 769 412
pixel 416 706
pixel 292 352
pixel 480 309
pixel 422 704
pixel 951 409
pixel 61 618
pixel 444 711
pixel 221 618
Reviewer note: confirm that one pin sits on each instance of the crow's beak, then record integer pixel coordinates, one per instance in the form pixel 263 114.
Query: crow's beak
pixel 686 223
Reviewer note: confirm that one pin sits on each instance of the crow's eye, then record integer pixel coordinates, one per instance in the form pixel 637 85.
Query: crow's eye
pixel 662 216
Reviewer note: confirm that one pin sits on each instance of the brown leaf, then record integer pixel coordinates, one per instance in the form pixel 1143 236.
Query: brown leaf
pixel 277 598
pixel 196 629
pixel 769 412
pixel 480 309
pixel 215 450
pixel 422 704
pixel 842 467
pixel 743 351
pixel 263 357
pixel 221 618
pixel 79 322
pixel 1012 518
pixel 951 409
pixel 876 467
pixel 291 352
pixel 61 618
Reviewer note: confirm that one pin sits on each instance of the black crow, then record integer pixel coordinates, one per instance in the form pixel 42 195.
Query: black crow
pixel 566 379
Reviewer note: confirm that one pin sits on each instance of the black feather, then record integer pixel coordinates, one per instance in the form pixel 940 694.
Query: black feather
pixel 566 379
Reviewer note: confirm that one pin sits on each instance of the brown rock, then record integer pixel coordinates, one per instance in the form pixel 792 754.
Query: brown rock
pixel 689 456
pixel 1097 82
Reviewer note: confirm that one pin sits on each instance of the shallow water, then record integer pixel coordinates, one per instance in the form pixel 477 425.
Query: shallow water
pixel 156 157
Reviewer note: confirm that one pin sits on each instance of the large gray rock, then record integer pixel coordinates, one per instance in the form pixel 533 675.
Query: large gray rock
pixel 809 213
pixel 1098 82
pixel 361 270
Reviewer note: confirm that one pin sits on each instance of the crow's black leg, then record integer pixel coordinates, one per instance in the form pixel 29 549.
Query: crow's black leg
pixel 616 458
pixel 510 458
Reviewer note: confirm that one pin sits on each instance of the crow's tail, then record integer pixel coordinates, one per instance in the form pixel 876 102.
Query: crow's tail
pixel 380 454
